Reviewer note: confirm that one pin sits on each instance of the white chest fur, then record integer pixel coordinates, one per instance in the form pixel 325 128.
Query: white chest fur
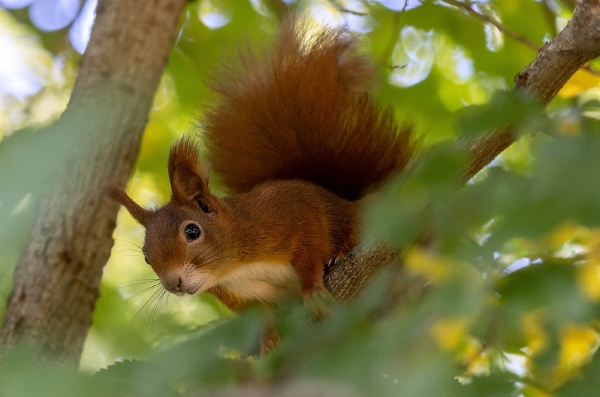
pixel 263 282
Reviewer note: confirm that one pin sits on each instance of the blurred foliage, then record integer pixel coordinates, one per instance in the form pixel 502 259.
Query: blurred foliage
pixel 503 302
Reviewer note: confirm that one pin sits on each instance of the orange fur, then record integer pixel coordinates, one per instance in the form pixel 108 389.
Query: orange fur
pixel 302 112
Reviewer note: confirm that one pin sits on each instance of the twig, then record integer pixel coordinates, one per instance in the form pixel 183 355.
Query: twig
pixel 340 8
pixel 550 16
pixel 279 8
pixel 487 19
pixel 389 48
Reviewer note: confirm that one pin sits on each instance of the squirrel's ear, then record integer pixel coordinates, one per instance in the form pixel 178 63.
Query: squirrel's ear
pixel 188 182
pixel 138 212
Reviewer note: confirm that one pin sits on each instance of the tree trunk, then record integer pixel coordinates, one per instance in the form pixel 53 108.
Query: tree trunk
pixel 57 278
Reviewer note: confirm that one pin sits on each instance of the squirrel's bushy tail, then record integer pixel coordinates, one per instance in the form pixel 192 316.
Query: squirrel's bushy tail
pixel 303 111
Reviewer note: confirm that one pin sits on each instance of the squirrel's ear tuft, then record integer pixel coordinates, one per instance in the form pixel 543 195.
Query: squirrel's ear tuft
pixel 138 212
pixel 188 181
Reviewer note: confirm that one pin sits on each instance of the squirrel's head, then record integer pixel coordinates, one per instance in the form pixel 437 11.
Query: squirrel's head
pixel 185 238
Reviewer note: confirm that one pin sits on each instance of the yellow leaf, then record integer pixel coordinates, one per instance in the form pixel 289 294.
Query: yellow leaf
pixel 450 332
pixel 536 336
pixel 480 365
pixel 434 266
pixel 588 277
pixel 579 82
pixel 577 345
pixel 563 234
pixel 530 391
pixel 471 350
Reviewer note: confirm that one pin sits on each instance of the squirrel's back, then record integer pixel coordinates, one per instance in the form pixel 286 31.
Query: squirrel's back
pixel 303 111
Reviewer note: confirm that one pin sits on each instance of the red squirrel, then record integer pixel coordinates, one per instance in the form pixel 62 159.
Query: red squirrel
pixel 297 140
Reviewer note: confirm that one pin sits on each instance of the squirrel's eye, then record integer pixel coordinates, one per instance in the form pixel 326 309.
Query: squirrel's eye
pixel 192 232
pixel 203 206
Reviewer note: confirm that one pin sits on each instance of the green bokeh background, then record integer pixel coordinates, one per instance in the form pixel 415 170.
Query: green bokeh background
pixel 439 69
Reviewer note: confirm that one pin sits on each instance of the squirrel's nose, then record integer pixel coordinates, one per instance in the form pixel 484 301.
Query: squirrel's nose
pixel 173 283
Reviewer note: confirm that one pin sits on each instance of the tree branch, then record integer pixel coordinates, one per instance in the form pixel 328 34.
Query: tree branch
pixel 518 37
pixel 577 44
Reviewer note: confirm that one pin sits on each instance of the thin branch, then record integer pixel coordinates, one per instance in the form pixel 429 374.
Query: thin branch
pixel 518 37
pixel 487 19
pixel 341 8
pixel 550 16
pixel 279 8
pixel 389 48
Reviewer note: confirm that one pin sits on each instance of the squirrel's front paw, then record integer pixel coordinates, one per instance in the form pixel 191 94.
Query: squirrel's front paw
pixel 269 340
pixel 317 302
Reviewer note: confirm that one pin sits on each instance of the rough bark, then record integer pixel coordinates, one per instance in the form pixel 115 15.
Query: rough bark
pixel 577 44
pixel 57 278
